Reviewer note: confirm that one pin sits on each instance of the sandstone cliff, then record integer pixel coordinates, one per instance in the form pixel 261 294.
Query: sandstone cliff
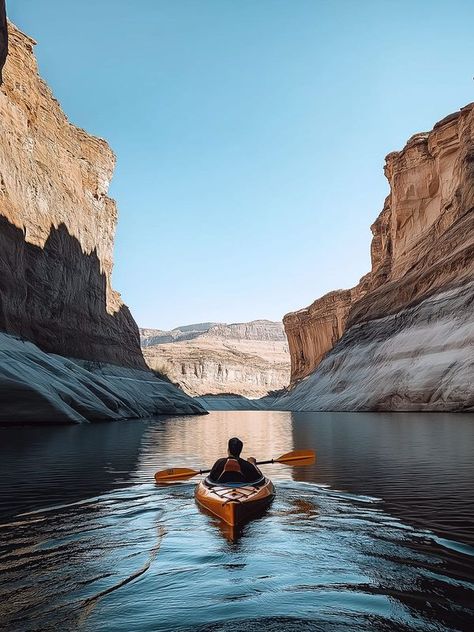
pixel 422 265
pixel 313 331
pixel 57 228
pixel 248 359
pixel 57 225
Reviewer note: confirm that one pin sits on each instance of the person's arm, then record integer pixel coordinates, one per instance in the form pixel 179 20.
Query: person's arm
pixel 253 461
pixel 250 470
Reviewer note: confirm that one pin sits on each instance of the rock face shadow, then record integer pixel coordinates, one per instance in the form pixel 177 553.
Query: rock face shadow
pixel 56 297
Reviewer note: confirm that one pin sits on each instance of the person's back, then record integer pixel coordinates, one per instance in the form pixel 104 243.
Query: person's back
pixel 233 469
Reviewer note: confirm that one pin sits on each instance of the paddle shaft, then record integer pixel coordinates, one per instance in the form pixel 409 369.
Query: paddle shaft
pixel 296 458
pixel 257 463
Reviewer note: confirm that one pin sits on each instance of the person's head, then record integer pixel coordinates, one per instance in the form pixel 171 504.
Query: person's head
pixel 235 447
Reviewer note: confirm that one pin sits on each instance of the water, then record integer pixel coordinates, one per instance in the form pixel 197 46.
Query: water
pixel 378 535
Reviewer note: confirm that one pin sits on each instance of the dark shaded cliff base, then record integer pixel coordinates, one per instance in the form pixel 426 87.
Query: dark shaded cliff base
pixel 56 297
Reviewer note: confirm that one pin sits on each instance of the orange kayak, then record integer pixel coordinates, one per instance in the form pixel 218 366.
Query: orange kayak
pixel 235 503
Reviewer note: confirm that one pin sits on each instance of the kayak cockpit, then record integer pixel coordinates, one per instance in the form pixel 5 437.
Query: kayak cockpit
pixel 258 483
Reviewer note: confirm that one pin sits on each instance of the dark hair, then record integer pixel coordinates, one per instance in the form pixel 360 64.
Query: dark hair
pixel 235 446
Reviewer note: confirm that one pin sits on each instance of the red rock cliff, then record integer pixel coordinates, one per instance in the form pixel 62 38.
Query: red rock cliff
pixel 423 241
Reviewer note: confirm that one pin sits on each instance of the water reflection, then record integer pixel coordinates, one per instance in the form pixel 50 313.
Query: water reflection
pixel 327 555
pixel 421 465
pixel 52 465
pixel 199 442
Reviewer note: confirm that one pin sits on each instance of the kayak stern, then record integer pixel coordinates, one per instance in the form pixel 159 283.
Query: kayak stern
pixel 235 505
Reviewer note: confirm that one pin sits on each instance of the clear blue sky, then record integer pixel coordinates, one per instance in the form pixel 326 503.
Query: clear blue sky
pixel 250 134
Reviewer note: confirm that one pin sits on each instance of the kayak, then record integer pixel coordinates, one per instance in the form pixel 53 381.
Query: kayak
pixel 235 503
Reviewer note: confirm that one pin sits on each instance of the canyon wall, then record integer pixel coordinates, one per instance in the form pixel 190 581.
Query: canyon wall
pixel 246 359
pixel 57 227
pixel 422 267
pixel 313 331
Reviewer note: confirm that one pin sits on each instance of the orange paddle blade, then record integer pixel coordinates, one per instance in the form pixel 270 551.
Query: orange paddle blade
pixel 175 474
pixel 298 457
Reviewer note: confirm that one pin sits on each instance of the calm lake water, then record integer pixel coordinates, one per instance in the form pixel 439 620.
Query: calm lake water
pixel 378 535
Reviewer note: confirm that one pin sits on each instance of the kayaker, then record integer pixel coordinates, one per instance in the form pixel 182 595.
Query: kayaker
pixel 233 469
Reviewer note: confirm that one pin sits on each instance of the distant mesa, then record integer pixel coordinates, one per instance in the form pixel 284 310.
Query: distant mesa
pixel 150 337
pixel 246 359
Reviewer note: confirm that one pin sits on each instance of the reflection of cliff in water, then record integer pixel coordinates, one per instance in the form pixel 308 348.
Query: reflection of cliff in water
pixel 57 465
pixel 202 440
pixel 416 463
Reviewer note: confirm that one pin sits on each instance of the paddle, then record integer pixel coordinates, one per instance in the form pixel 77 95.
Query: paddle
pixel 296 458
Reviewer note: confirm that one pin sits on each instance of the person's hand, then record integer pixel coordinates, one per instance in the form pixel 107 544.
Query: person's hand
pixel 252 460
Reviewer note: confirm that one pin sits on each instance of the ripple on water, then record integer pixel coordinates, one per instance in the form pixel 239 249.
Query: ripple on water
pixel 145 558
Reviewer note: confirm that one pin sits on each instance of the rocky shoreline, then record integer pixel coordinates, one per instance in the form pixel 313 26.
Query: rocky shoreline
pixel 37 387
pixel 420 358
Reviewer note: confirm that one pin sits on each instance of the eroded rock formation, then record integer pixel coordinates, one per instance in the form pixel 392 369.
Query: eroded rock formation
pixel 248 359
pixel 313 331
pixel 57 227
pixel 57 264
pixel 422 248
pixel 38 387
